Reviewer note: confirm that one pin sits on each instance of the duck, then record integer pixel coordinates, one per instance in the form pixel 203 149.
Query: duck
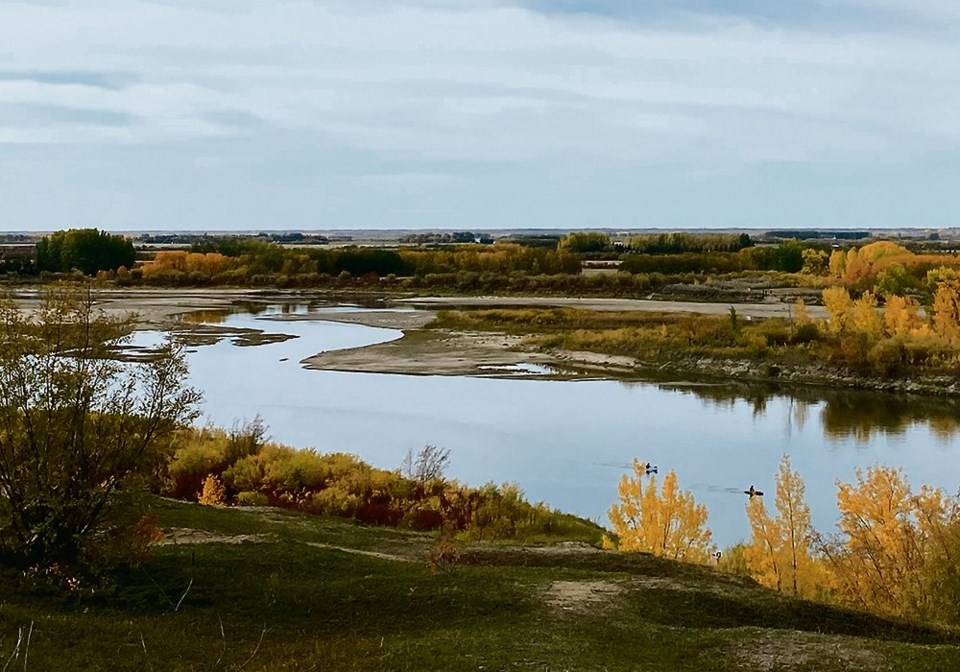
pixel 651 469
pixel 753 491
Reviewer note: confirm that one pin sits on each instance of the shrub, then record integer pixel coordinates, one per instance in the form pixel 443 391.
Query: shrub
pixel 249 498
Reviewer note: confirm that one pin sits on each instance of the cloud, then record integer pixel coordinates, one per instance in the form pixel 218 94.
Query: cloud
pixel 429 88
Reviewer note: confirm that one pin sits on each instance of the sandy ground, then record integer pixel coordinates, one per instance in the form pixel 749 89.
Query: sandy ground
pixel 159 307
pixel 439 353
pixel 499 356
pixel 420 351
pixel 771 309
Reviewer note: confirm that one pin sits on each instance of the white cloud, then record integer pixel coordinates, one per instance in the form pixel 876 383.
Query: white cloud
pixel 410 80
pixel 483 83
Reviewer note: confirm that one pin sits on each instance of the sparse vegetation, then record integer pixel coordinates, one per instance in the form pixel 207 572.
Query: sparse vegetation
pixel 307 591
pixel 240 467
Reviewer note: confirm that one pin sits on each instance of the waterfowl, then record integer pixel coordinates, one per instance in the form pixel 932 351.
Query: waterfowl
pixel 753 491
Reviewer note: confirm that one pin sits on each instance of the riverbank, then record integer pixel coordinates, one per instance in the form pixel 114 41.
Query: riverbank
pixel 445 351
pixel 441 348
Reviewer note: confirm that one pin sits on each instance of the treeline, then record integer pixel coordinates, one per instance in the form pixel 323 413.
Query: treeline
pixel 683 243
pixel 894 552
pixel 85 250
pixel 446 238
pixel 886 267
pixel 252 262
pixel 786 257
pixel 240 468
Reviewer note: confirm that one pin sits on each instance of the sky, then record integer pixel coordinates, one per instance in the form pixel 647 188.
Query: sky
pixel 478 114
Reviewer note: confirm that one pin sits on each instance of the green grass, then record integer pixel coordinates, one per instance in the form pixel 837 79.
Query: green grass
pixel 288 605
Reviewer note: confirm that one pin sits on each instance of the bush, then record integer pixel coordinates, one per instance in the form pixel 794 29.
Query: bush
pixel 806 333
pixel 80 435
pixel 248 498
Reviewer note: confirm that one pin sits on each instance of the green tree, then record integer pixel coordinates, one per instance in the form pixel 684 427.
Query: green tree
pixel 79 430
pixel 86 250
pixel 585 242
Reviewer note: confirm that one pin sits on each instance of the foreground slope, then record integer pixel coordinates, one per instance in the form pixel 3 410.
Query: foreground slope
pixel 273 590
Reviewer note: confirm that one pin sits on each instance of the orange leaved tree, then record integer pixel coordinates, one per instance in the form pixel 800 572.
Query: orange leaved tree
pixel 666 522
pixel 778 555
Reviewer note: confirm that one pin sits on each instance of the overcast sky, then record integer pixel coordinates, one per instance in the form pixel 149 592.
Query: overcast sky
pixel 478 114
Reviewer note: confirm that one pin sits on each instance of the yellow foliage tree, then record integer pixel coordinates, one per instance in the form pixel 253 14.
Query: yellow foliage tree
pixel 864 316
pixel 838 263
pixel 667 523
pixel 856 267
pixel 213 493
pixel 779 551
pixel 763 553
pixel 815 262
pixel 878 560
pixel 838 304
pixel 801 315
pixel 901 316
pixel 946 313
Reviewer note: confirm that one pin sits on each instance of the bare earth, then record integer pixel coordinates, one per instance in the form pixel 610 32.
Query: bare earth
pixel 759 310
pixel 465 353
pixel 420 351
pixel 158 307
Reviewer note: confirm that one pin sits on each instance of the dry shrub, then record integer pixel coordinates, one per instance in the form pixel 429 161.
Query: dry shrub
pixel 445 556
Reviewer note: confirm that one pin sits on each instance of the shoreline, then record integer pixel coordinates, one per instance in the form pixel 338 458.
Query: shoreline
pixel 446 352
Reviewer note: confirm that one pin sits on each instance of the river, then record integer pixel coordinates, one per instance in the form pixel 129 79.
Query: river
pixel 568 442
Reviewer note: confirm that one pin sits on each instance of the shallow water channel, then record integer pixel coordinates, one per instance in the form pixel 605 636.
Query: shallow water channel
pixel 568 442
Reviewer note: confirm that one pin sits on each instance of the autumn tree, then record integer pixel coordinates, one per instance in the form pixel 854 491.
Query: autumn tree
pixel 801 314
pixel 779 551
pixel 213 492
pixel 839 305
pixel 838 263
pixel 78 429
pixel 815 262
pixel 856 267
pixel 666 522
pixel 946 313
pixel 884 557
pixel 864 317
pixel 901 317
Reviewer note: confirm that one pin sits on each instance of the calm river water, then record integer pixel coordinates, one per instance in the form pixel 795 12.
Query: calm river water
pixel 567 443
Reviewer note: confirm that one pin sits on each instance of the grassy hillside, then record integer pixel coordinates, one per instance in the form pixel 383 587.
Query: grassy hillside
pixel 275 590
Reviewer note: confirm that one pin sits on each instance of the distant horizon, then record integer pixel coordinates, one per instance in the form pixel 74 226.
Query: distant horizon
pixel 551 230
pixel 154 115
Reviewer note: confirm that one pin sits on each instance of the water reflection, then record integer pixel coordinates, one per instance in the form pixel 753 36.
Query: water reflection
pixel 843 414
pixel 568 442
pixel 209 316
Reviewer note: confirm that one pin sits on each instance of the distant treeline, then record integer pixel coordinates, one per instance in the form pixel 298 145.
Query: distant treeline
pixel 244 261
pixel 446 238
pixel 787 257
pixel 799 234
pixel 686 243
